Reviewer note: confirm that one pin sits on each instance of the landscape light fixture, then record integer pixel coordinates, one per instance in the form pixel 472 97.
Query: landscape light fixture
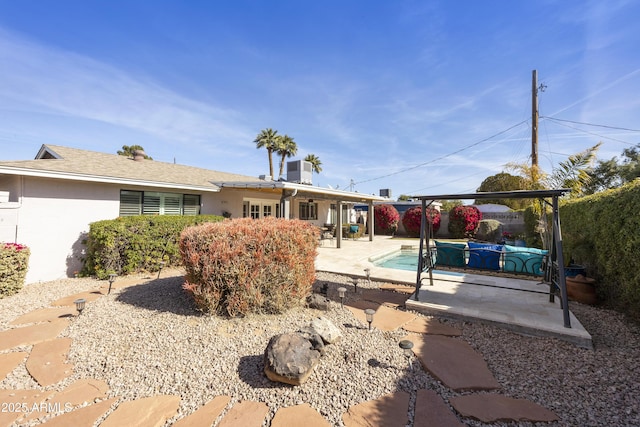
pixel 406 346
pixel 369 312
pixel 112 278
pixel 341 292
pixel 80 305
pixel 161 266
pixel 367 273
pixel 354 280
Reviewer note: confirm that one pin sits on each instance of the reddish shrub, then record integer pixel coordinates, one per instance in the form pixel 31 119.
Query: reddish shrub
pixel 386 219
pixel 463 221
pixel 246 266
pixel 413 216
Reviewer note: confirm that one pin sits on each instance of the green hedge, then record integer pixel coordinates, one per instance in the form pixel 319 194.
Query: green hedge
pixel 246 266
pixel 136 243
pixel 14 263
pixel 602 232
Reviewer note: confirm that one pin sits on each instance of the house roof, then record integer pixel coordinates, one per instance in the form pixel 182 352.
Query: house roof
pixel 54 161
pixel 58 162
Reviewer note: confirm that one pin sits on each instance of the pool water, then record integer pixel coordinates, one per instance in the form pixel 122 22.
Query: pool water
pixel 401 261
pixel 406 260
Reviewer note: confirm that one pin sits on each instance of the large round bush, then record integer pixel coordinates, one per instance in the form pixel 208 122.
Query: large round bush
pixel 386 219
pixel 413 216
pixel 463 221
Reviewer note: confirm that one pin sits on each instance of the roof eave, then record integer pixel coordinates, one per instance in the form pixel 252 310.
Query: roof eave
pixel 9 170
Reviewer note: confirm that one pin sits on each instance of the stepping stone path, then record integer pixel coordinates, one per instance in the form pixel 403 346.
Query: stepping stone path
pixel 438 347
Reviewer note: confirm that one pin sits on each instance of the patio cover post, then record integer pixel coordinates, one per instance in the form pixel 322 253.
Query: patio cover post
pixel 370 221
pixel 339 224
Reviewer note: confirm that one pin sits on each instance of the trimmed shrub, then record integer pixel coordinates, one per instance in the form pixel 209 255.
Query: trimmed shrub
pixel 489 230
pixel 413 217
pixel 131 244
pixel 602 232
pixel 463 221
pixel 386 219
pixel 246 266
pixel 14 263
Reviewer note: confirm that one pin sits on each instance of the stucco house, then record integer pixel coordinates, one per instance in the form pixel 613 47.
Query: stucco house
pixel 48 203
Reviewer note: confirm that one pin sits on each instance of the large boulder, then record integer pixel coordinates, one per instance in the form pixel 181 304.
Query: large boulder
pixel 290 358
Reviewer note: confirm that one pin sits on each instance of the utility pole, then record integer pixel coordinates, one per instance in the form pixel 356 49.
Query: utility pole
pixel 534 121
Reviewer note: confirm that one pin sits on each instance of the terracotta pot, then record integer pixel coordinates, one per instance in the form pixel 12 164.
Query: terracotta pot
pixel 581 289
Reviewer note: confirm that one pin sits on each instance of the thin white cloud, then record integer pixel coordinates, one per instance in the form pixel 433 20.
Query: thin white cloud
pixel 48 80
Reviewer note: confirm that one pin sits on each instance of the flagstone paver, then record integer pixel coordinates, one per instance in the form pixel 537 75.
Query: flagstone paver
pixel 424 325
pixel 388 298
pixel 146 412
pixel 206 415
pixel 496 407
pixel 9 361
pixel 45 315
pixel 47 363
pixel 245 414
pixel 20 403
pixel 454 362
pixel 82 417
pixel 431 411
pixel 385 319
pixel 405 289
pixel 81 391
pixel 387 411
pixel 299 415
pixel 29 335
pixel 69 301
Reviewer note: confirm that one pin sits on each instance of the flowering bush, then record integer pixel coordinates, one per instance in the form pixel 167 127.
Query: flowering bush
pixel 413 216
pixel 386 219
pixel 14 263
pixel 242 266
pixel 463 221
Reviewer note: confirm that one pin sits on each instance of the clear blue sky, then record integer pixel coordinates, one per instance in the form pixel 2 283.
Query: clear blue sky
pixel 406 95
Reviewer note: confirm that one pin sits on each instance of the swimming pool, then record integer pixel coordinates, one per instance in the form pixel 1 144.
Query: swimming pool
pixel 400 261
pixel 404 259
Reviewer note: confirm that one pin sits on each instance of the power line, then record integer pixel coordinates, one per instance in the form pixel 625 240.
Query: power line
pixel 441 157
pixel 589 124
pixel 590 133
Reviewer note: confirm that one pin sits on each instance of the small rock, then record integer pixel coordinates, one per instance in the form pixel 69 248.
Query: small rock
pixel 327 330
pixel 318 302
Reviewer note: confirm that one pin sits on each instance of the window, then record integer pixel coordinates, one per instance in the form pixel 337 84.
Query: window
pixel 308 210
pixel 334 213
pixel 156 203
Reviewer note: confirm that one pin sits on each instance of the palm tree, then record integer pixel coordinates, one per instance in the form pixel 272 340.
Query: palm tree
pixel 315 162
pixel 287 147
pixel 268 138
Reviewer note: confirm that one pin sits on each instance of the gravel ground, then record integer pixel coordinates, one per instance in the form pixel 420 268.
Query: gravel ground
pixel 149 339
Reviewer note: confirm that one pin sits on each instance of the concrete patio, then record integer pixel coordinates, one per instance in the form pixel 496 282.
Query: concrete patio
pixel 453 296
